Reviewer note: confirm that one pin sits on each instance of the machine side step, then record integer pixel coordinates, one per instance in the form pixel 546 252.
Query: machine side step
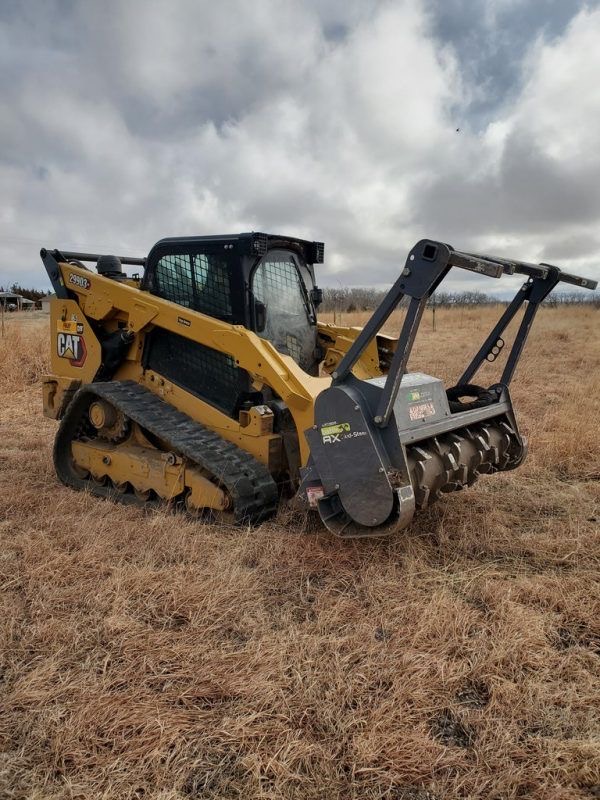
pixel 253 490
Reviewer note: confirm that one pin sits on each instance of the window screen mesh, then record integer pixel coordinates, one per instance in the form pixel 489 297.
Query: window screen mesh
pixel 199 282
pixel 294 347
pixel 277 283
pixel 209 374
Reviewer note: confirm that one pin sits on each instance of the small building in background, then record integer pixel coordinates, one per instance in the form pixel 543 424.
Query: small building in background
pixel 45 302
pixel 15 302
pixel 10 301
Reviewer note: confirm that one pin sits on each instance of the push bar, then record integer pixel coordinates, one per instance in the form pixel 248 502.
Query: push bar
pixel 427 265
pixel 480 264
pixel 52 259
pixel 574 280
pixel 69 256
pixel 495 267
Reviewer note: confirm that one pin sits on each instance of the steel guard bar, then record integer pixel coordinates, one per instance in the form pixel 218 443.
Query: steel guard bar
pixel 426 266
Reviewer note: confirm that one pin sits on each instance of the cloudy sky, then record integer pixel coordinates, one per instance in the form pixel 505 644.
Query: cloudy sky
pixel 124 121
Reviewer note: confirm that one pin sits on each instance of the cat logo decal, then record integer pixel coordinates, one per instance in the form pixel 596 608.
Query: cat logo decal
pixel 72 347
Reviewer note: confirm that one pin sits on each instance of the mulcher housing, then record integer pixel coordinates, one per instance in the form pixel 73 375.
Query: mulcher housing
pixel 209 382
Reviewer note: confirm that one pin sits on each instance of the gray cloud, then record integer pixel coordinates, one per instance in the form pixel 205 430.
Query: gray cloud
pixel 491 39
pixel 130 120
pixel 528 195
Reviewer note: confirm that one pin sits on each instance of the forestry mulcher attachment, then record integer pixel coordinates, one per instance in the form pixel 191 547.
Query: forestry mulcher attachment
pixel 209 383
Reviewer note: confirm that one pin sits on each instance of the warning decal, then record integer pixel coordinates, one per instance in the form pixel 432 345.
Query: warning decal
pixel 69 326
pixel 421 410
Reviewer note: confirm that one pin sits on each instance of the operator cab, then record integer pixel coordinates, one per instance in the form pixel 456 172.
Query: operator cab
pixel 265 283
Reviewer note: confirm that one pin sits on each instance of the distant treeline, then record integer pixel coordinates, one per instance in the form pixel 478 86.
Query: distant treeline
pixel 361 299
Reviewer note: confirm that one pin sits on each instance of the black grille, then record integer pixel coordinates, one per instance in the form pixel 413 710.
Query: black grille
pixel 260 242
pixel 205 372
pixel 316 252
pixel 199 281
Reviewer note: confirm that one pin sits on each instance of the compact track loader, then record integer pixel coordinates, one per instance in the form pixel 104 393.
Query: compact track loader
pixel 209 383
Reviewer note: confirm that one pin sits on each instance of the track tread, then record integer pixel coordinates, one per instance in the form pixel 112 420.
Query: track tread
pixel 249 482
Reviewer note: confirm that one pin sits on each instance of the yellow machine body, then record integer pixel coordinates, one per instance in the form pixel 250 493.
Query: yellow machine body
pixel 99 305
pixel 116 304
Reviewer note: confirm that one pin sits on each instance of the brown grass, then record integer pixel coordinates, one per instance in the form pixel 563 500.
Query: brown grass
pixel 148 656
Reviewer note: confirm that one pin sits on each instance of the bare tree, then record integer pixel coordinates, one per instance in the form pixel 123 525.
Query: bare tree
pixel 345 299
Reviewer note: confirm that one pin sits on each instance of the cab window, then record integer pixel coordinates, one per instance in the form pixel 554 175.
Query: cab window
pixel 290 321
pixel 199 281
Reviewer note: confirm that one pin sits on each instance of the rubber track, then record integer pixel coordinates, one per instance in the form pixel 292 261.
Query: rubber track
pixel 253 490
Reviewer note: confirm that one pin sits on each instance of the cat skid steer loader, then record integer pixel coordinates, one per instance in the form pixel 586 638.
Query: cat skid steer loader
pixel 207 381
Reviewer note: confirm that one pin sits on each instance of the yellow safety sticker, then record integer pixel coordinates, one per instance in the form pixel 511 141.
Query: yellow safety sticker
pixel 69 326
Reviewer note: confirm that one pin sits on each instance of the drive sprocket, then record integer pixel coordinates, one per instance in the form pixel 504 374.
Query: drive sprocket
pixel 110 423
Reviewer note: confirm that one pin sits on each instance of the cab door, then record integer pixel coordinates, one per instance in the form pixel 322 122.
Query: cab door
pixel 287 316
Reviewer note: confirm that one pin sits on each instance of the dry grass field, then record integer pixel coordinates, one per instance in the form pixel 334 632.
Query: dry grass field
pixel 149 656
